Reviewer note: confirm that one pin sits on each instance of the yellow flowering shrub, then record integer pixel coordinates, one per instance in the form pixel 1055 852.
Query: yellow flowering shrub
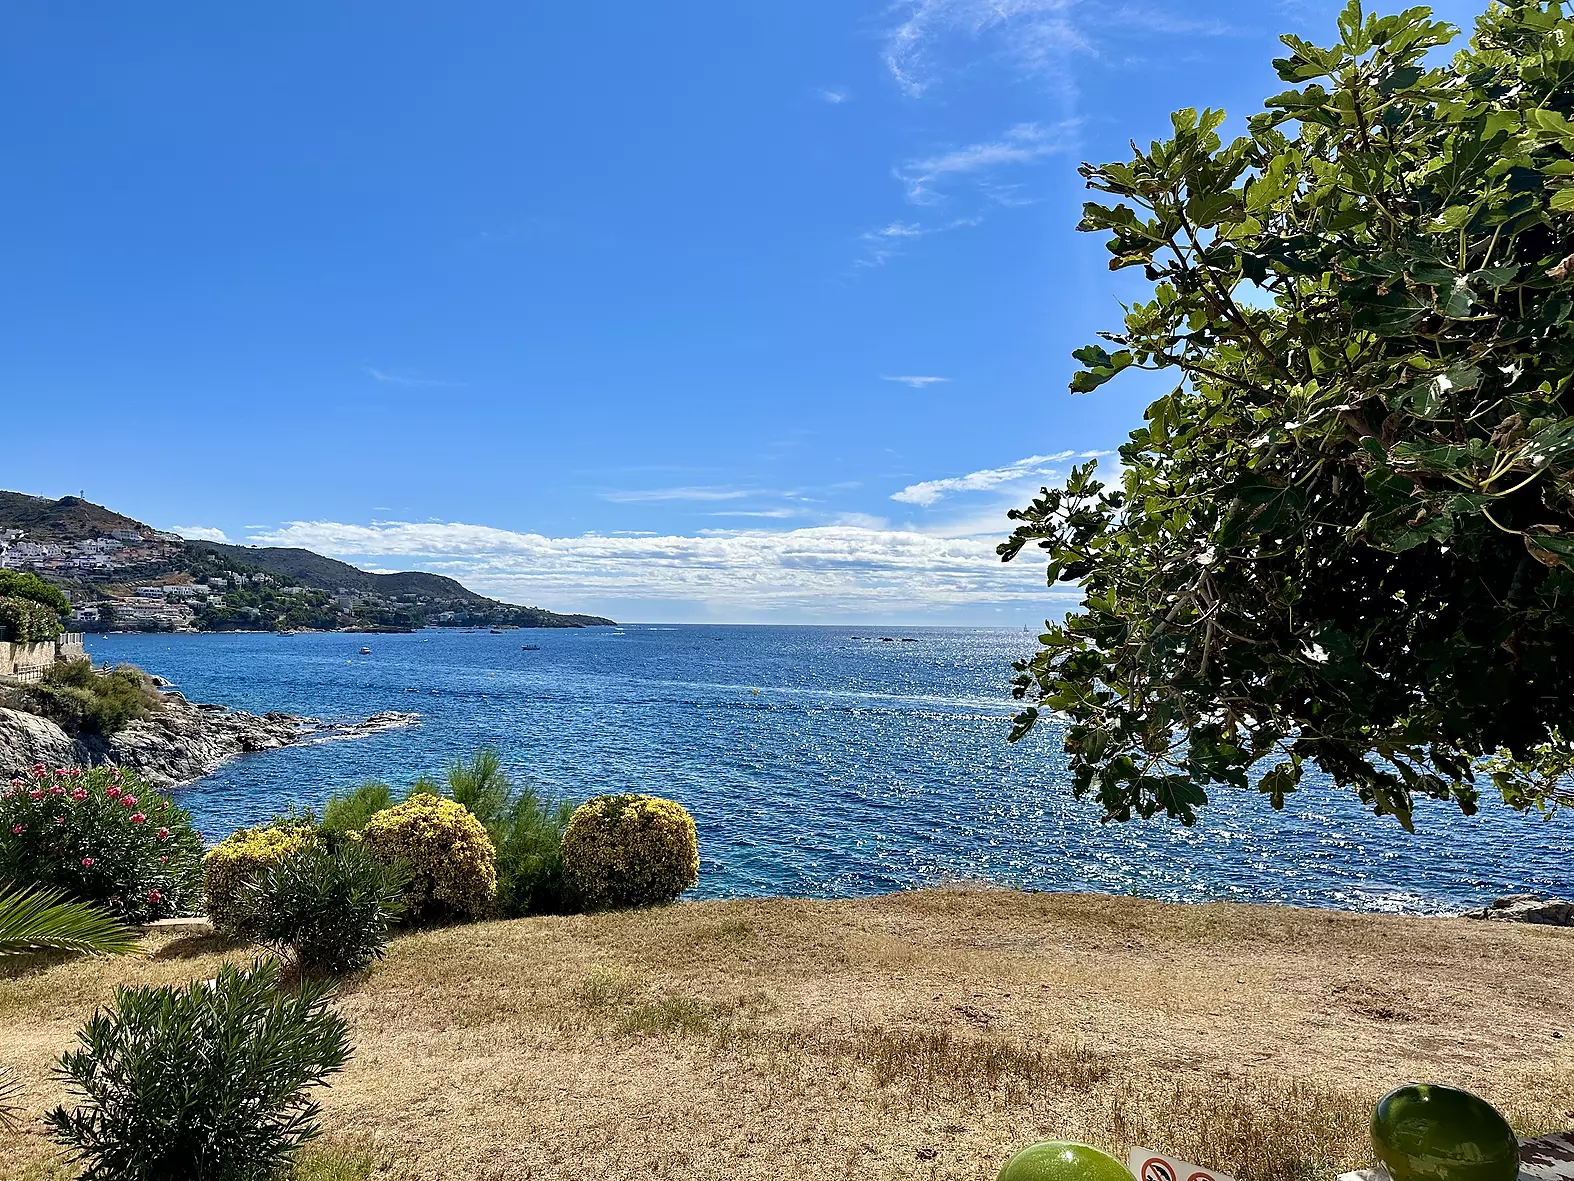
pixel 451 861
pixel 241 857
pixel 630 850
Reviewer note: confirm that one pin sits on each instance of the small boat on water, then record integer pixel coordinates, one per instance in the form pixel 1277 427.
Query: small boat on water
pixel 530 647
pixel 366 651
pixel 496 631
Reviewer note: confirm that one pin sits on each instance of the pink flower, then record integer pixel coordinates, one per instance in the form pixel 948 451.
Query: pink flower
pixel 155 897
pixel 61 771
pixel 163 834
pixel 60 819
pixel 79 794
pixel 129 801
pixel 18 829
pixel 165 804
pixel 57 790
pixel 16 783
pixel 163 860
pixel 87 862
pixel 112 791
pixel 36 794
pixel 137 818
pixel 38 770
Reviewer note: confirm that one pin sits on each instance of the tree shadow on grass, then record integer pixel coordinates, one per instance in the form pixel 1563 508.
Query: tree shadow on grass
pixel 190 947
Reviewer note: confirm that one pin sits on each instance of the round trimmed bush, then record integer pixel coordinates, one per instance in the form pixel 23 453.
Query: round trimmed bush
pixel 630 850
pixel 238 861
pixel 451 863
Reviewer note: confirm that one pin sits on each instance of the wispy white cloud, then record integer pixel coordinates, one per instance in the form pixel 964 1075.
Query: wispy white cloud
pixel 835 96
pixel 917 383
pixel 1034 33
pixel 1022 144
pixel 834 568
pixel 200 533
pixel 405 379
pixel 1039 37
pixel 931 492
pixel 884 244
pixel 642 495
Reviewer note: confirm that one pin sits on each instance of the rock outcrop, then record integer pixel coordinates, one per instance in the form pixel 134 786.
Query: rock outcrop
pixel 1526 908
pixel 180 742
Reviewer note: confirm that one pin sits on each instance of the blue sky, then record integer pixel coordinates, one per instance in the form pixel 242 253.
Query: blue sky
pixel 695 311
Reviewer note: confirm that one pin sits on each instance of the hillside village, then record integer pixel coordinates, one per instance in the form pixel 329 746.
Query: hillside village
pixel 122 575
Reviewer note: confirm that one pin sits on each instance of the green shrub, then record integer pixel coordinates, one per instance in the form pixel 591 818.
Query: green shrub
pixel 205 1082
pixel 348 812
pixel 526 831
pixel 330 911
pixel 104 836
pixel 630 850
pixel 451 861
pixel 77 698
pixel 241 858
pixel 22 621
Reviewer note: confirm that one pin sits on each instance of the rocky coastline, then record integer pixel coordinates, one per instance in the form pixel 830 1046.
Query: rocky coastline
pixel 180 742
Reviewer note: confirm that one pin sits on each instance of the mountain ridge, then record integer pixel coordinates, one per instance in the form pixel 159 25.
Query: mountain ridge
pixel 91 549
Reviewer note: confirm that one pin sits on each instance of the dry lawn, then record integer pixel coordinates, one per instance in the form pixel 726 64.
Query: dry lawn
pixel 919 1035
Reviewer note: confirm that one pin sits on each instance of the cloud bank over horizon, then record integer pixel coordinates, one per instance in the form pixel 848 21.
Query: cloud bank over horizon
pixel 829 571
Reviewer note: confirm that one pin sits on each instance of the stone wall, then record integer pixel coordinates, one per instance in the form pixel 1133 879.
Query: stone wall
pixel 19 659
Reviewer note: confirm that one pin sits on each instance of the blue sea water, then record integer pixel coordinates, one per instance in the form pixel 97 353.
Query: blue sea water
pixel 816 761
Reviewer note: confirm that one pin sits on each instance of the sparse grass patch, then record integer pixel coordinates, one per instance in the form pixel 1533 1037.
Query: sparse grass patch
pixel 726 931
pixel 936 1064
pixel 334 1162
pixel 684 1016
pixel 605 988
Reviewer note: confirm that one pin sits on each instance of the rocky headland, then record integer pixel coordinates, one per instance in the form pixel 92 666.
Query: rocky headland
pixel 177 743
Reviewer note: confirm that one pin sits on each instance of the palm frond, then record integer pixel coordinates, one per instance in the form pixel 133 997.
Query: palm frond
pixel 10 1087
pixel 43 920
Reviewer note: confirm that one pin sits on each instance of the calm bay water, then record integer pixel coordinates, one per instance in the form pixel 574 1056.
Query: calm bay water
pixel 816 761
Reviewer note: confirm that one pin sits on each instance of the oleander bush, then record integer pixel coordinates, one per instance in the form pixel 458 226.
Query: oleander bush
pixel 102 835
pixel 630 850
pixel 450 859
pixel 240 859
pixel 77 698
pixel 526 830
pixel 203 1082
pixel 326 910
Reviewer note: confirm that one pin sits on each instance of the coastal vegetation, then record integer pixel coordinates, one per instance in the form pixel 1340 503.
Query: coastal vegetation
pixel 1346 537
pixel 81 699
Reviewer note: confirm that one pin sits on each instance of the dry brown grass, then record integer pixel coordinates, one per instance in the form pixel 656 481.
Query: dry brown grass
pixel 913 1036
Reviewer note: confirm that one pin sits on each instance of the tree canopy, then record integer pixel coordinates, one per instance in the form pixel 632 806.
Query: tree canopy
pixel 1346 536
pixel 15 584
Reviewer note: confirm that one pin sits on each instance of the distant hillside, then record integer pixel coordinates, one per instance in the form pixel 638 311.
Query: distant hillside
pixel 68 519
pixel 330 574
pixel 98 556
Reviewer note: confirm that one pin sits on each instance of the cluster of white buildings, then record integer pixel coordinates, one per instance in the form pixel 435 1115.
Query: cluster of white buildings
pixel 92 555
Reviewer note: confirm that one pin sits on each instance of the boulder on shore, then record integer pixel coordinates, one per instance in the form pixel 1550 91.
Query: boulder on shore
pixel 1526 908
pixel 176 744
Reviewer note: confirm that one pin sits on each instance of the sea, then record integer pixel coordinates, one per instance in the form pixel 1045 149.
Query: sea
pixel 817 761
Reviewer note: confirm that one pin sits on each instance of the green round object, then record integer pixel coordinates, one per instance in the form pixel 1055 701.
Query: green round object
pixel 1062 1160
pixel 1423 1132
